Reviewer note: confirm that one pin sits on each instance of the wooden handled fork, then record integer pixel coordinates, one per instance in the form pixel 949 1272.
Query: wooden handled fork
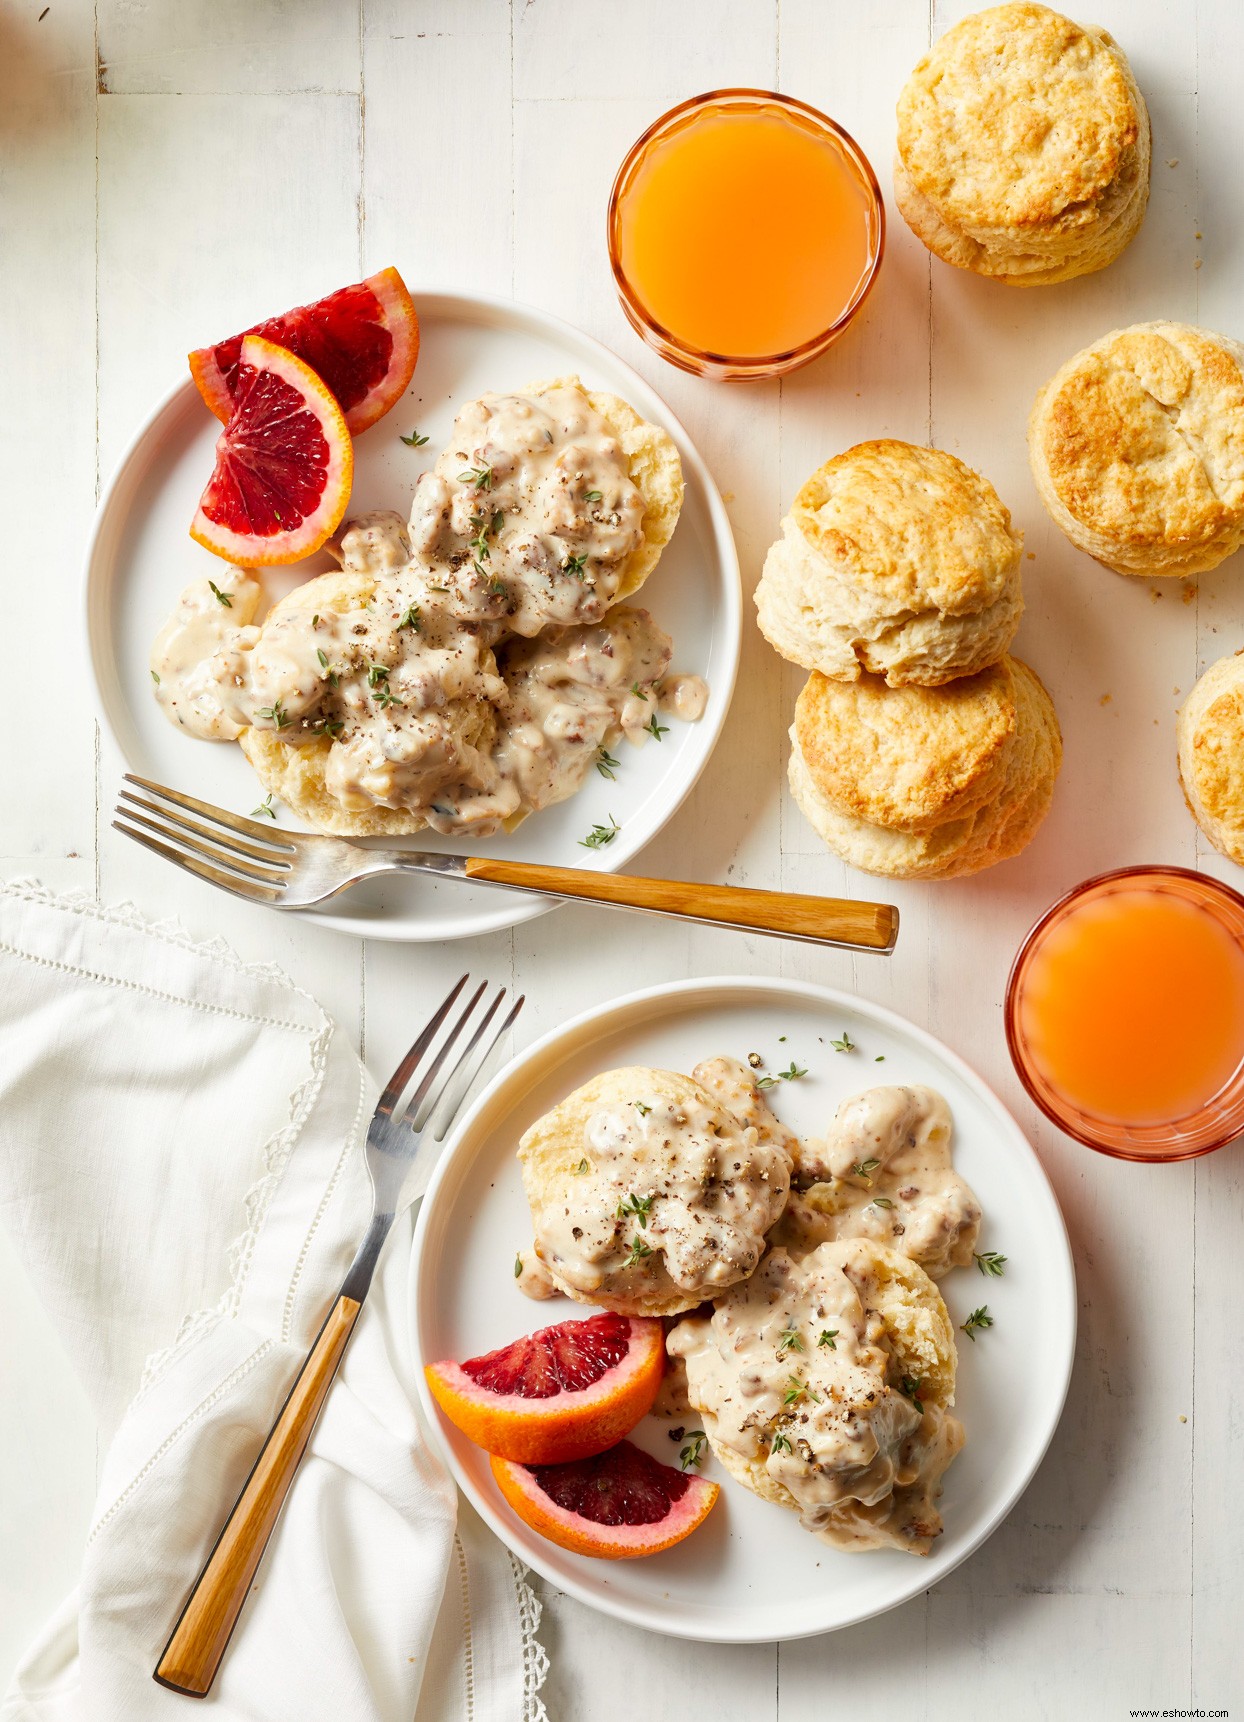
pixel 294 869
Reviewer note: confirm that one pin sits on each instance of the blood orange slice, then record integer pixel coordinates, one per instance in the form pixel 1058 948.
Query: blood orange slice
pixel 562 1393
pixel 617 1505
pixel 362 340
pixel 284 464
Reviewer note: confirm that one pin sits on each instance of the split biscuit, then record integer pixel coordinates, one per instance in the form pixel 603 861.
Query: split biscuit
pixel 933 783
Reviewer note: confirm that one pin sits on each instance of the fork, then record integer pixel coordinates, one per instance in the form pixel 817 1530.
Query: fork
pixel 293 869
pixel 395 1141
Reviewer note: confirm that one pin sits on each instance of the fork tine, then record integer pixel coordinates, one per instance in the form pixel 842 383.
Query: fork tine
pixel 209 851
pixel 444 1107
pixel 222 838
pixel 401 1076
pixel 253 893
pixel 442 1053
pixel 248 827
pixel 429 1107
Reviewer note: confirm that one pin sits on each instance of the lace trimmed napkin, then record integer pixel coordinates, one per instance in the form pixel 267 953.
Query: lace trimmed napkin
pixel 180 1167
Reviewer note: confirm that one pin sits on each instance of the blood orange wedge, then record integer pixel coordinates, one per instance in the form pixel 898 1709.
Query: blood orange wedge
pixel 562 1393
pixel 617 1505
pixel 362 340
pixel 284 464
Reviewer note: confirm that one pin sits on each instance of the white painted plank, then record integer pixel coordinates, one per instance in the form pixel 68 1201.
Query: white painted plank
pixel 47 432
pixel 227 47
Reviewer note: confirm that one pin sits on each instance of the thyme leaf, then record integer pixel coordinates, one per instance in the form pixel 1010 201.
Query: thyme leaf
pixel 600 835
pixel 220 597
pixel 979 1318
pixel 846 1044
pixel 693 1452
pixel 265 810
pixel 414 440
pixel 991 1264
pixel 829 1337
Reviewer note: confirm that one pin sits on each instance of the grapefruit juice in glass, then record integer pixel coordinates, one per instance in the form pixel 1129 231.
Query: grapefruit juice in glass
pixel 745 229
pixel 1125 1013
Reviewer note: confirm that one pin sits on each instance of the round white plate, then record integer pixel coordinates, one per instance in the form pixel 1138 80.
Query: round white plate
pixel 141 555
pixel 751 1573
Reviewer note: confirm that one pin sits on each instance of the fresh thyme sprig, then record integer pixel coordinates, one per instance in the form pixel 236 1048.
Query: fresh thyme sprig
pixel 265 810
pixel 909 1387
pixel 639 1251
pixel 479 476
pixel 791 1340
pixel 220 597
pixel 780 1443
pixel 600 835
pixel 846 1044
pixel 829 1336
pixel 642 1110
pixel 274 714
pixel 991 1264
pixel 414 440
pixel 385 697
pixel 794 1073
pixel 640 1206
pixel 638 691
pixel 331 675
pixel 410 617
pixel 656 730
pixel 693 1452
pixel 797 1391
pixel 575 565
pixel 865 1168
pixel 606 764
pixel 979 1318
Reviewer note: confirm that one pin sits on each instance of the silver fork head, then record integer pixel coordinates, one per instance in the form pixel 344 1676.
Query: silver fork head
pixel 396 1138
pixel 263 863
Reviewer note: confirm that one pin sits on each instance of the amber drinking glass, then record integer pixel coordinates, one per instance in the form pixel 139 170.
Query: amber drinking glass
pixel 745 231
pixel 1125 1013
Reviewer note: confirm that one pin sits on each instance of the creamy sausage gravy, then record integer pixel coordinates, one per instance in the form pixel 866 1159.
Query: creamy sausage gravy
pixel 679 1188
pixel 468 669
pixel 884 1171
pixel 794 1373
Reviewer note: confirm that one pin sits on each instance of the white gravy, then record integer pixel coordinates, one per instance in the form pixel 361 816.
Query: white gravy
pixel 884 1171
pixel 679 1185
pixel 412 672
pixel 794 1373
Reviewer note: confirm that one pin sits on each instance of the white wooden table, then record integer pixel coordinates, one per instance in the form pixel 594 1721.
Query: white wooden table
pixel 171 168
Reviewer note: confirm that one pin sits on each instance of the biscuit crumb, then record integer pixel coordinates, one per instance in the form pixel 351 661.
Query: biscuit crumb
pixel 1197 264
pixel 1182 1418
pixel 727 496
pixel 1173 161
pixel 1155 594
pixel 1190 591
pixel 1032 555
pixel 1199 236
pixel 1105 699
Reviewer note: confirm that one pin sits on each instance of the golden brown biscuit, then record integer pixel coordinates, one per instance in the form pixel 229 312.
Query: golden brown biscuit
pixel 1137 448
pixel 1210 736
pixel 825 1386
pixel 1023 147
pixel 648 1194
pixel 949 754
pixel 895 560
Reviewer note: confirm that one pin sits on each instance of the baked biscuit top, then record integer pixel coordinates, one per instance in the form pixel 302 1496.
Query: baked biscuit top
pixel 1141 436
pixel 915 526
pixel 1019 118
pixel 908 758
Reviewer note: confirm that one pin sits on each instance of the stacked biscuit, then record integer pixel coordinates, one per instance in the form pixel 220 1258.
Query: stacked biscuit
pixel 920 748
pixel 1023 147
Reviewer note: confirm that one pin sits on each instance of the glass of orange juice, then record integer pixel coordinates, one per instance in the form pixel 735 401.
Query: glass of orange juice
pixel 1125 1013
pixel 745 230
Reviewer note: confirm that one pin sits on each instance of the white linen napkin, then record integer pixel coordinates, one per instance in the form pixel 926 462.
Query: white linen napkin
pixel 181 1168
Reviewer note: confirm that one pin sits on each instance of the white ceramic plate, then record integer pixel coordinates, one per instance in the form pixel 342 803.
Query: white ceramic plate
pixel 141 555
pixel 751 1573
